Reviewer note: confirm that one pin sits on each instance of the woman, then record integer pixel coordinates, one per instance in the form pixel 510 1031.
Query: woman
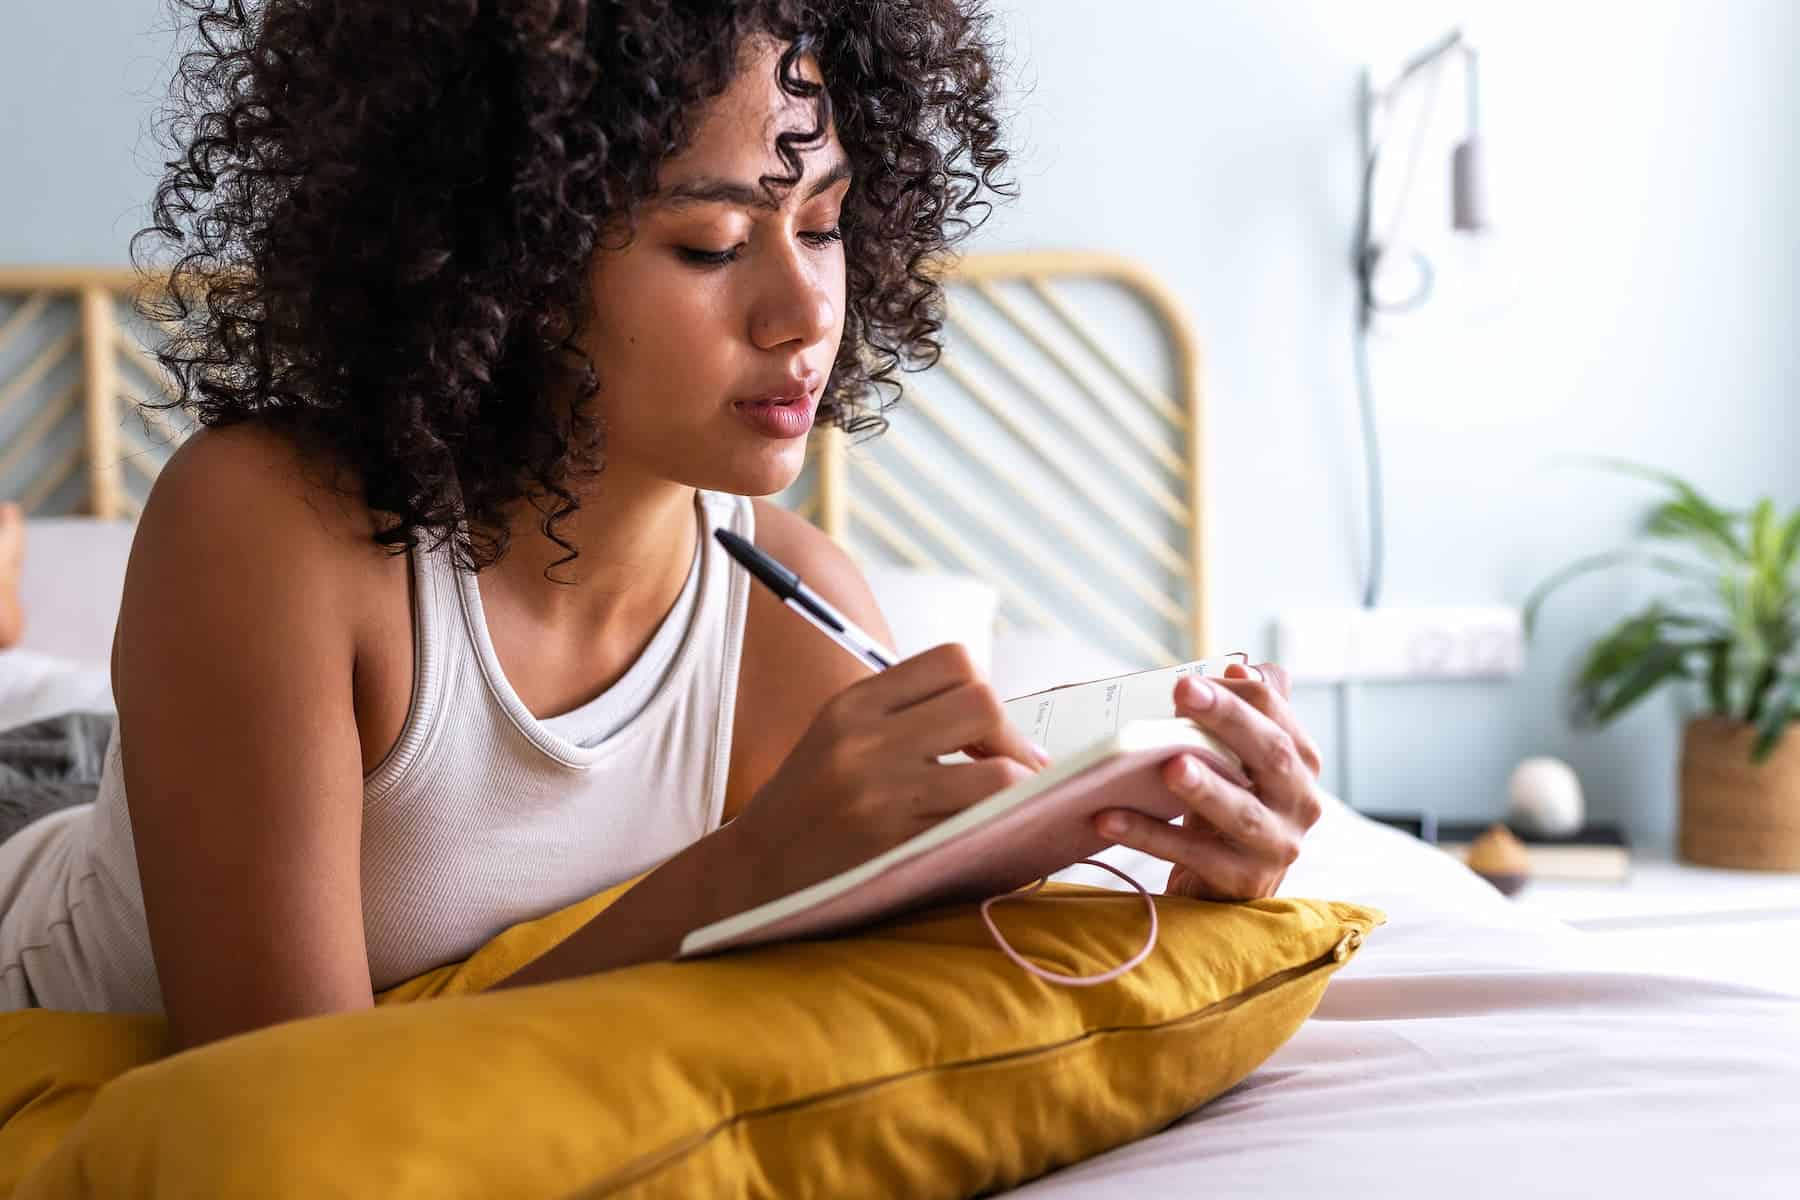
pixel 492 311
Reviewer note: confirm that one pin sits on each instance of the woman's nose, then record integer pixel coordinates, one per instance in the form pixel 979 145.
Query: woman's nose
pixel 796 306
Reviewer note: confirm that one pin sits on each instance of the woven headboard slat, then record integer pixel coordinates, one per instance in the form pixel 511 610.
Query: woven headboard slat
pixel 1040 454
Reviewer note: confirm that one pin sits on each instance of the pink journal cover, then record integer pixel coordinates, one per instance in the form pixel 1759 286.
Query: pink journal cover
pixel 1045 834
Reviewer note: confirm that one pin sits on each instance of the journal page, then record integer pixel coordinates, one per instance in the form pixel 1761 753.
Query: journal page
pixel 1069 717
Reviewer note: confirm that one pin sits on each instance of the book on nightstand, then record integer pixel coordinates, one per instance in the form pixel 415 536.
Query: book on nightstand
pixel 1595 852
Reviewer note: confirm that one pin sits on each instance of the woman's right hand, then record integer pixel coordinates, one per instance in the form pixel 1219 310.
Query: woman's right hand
pixel 865 775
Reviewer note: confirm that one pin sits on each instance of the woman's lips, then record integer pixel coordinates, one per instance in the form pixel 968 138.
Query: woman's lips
pixel 778 416
pixel 787 397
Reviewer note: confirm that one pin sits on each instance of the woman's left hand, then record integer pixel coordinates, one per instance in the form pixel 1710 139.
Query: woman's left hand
pixel 1239 834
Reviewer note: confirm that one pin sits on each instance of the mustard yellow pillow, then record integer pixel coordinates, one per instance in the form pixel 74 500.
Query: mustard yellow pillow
pixel 911 1059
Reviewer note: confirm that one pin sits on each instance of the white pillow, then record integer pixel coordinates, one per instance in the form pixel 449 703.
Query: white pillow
pixel 73 578
pixel 929 608
pixel 34 686
pixel 1030 660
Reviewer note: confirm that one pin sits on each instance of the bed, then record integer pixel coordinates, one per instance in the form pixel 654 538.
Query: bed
pixel 1474 1047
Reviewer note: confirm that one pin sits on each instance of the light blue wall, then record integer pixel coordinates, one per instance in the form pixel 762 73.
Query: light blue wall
pixel 1641 300
pixel 78 86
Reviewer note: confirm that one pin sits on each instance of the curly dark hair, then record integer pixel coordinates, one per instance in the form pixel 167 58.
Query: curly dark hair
pixel 381 217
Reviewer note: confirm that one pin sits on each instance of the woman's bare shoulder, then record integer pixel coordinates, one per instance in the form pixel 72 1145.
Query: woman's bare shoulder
pixel 250 478
pixel 241 528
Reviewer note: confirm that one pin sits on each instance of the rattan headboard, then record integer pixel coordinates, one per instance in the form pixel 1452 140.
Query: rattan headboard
pixel 1057 450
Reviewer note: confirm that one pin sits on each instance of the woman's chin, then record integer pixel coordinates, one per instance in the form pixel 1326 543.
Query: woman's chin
pixel 764 474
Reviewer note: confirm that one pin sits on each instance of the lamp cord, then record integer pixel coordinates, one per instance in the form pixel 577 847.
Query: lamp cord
pixel 1367 306
pixel 1377 534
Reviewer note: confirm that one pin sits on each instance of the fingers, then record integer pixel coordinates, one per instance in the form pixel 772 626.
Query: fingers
pixel 1229 846
pixel 1269 696
pixel 945 790
pixel 914 680
pixel 929 705
pixel 939 701
pixel 1273 674
pixel 1208 868
pixel 1236 814
pixel 967 716
pixel 1269 752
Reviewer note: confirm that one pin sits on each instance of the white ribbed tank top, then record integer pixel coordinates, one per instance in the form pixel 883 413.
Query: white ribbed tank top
pixel 593 722
pixel 480 816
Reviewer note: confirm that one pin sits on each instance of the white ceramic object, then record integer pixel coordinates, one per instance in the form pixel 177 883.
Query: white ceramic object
pixel 1544 797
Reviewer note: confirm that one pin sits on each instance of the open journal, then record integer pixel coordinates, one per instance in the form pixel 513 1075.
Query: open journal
pixel 1107 739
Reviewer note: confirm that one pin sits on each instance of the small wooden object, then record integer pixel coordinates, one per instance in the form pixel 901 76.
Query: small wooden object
pixel 1500 858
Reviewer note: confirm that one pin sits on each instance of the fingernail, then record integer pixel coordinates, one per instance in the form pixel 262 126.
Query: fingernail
pixel 1112 825
pixel 1043 754
pixel 1200 694
pixel 1188 772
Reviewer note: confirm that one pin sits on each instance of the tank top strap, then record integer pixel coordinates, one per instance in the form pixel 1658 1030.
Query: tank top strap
pixel 435 620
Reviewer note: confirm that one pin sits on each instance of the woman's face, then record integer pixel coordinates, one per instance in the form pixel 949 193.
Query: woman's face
pixel 722 303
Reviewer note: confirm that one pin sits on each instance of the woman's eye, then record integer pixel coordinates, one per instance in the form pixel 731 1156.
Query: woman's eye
pixel 707 258
pixel 698 257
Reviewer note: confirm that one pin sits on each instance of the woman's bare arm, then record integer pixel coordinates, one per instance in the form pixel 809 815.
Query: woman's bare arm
pixel 233 670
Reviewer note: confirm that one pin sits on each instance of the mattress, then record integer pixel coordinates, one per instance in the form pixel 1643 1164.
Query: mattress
pixel 1476 1048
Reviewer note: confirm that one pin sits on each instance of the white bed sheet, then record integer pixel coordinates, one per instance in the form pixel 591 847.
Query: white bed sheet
pixel 1474 1048
pixel 34 685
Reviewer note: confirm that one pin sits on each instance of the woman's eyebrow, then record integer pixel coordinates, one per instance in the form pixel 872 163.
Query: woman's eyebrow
pixel 710 189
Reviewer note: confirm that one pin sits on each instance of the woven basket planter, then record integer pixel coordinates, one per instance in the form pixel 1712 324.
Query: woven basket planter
pixel 1735 813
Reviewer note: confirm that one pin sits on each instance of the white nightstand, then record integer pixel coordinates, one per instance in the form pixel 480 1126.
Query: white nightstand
pixel 1741 925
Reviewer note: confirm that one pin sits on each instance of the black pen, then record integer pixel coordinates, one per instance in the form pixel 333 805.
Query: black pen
pixel 803 600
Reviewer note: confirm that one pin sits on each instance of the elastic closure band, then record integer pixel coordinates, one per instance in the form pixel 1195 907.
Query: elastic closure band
pixel 1072 980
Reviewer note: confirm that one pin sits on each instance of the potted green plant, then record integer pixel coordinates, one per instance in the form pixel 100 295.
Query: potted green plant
pixel 1730 624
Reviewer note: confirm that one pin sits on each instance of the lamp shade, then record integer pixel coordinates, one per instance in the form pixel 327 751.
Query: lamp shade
pixel 1468 187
